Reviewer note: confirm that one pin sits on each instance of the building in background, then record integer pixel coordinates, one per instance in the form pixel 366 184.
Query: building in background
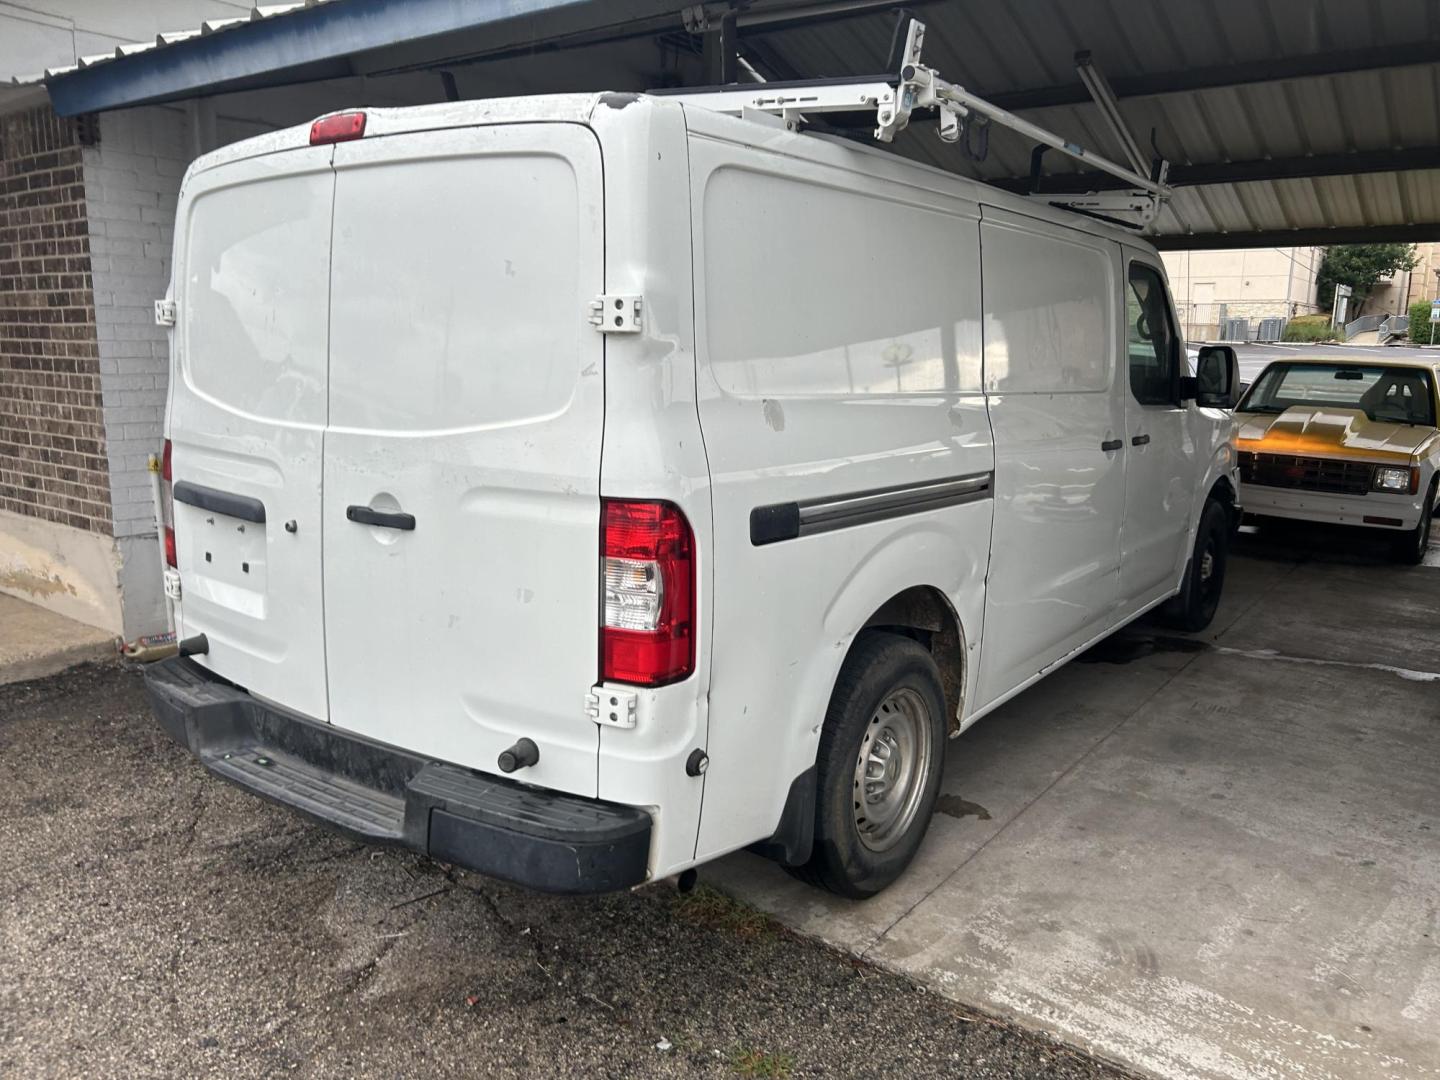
pixel 1243 283
pixel 1394 295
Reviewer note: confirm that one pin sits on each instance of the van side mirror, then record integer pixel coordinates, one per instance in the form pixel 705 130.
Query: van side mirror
pixel 1217 377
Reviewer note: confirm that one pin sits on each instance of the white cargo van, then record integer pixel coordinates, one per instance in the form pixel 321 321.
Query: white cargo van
pixel 580 488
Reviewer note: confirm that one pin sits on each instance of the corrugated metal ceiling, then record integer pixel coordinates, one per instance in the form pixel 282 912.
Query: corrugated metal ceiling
pixel 1298 119
pixel 1297 124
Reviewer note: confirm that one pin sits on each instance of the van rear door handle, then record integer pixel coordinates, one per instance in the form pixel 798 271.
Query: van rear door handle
pixel 1140 440
pixel 363 515
pixel 1112 444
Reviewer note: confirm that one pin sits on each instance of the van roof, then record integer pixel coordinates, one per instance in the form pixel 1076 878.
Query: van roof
pixel 572 108
pixel 579 109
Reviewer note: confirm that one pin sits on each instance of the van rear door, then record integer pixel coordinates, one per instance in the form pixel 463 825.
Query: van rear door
pixel 247 419
pixel 462 460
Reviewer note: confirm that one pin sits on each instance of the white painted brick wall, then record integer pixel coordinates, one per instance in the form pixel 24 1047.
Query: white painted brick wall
pixel 132 181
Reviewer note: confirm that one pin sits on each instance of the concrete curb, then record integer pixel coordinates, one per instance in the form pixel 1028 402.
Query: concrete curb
pixel 58 661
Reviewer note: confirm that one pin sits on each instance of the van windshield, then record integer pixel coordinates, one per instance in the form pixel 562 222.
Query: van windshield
pixel 1394 395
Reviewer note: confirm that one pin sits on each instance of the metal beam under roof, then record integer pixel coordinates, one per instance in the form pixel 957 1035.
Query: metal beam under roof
pixel 1423 232
pixel 1359 163
pixel 1272 69
pixel 323 41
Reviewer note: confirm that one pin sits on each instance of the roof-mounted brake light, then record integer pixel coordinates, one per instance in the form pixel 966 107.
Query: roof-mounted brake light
pixel 338 128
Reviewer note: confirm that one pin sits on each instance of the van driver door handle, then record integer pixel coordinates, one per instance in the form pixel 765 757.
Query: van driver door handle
pixel 1112 444
pixel 1140 440
pixel 363 515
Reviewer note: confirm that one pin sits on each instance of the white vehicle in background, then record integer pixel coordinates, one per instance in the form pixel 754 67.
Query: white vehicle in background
pixel 1354 441
pixel 581 488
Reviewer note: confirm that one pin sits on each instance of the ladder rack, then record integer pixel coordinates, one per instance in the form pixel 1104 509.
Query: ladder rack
pixel 894 98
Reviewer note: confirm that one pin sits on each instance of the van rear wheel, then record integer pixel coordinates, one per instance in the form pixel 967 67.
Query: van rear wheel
pixel 882 750
pixel 1194 606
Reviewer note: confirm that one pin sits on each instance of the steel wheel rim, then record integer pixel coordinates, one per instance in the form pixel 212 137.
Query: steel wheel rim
pixel 1210 571
pixel 891 769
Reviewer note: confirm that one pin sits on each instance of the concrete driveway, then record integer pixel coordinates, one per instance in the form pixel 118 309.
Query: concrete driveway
pixel 1209 857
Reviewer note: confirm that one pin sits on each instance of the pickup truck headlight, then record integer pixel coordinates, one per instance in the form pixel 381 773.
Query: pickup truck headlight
pixel 1397 480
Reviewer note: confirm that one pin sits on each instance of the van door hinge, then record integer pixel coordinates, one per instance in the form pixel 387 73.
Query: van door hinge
pixel 612 708
pixel 164 312
pixel 617 313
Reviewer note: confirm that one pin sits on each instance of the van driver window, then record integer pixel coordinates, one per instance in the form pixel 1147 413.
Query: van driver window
pixel 1151 338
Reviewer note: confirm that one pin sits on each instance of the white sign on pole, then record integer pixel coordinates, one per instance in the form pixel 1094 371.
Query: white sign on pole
pixel 1435 310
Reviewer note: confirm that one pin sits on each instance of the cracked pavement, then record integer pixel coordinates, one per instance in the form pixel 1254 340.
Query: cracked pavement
pixel 159 923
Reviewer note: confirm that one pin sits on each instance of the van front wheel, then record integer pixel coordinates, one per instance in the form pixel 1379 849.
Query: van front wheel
pixel 1199 597
pixel 882 750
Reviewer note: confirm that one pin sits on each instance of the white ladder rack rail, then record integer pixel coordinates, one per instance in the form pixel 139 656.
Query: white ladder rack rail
pixel 921 87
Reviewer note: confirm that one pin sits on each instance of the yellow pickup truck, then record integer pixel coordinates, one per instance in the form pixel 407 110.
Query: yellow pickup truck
pixel 1346 441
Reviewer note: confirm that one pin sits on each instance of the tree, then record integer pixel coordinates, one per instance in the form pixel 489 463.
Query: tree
pixel 1360 266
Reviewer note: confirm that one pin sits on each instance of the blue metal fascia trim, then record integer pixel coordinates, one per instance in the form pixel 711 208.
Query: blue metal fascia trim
pixel 319 39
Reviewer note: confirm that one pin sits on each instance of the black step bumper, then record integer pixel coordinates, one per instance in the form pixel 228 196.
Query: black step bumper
pixel 545 840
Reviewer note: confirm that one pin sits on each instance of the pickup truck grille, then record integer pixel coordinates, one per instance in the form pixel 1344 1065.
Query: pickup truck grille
pixel 1306 473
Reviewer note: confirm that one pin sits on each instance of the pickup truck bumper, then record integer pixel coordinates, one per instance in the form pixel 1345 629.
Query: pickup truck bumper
pixel 1391 512
pixel 546 840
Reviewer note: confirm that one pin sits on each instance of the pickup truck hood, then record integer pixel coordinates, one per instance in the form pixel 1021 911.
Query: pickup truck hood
pixel 1332 432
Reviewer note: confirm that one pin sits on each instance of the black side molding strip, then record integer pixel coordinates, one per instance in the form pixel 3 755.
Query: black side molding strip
pixel 786 521
pixel 221 502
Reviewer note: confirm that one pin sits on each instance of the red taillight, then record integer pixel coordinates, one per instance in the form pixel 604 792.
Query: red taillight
pixel 647 636
pixel 167 506
pixel 338 128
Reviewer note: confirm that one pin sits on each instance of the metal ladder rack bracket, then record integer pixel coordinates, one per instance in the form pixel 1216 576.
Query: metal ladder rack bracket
pixel 919 87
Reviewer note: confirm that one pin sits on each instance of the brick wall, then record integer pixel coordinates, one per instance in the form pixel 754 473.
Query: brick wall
pixel 132 182
pixel 53 462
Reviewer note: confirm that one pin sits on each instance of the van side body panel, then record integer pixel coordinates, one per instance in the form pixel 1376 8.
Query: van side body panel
pixel 1056 399
pixel 838 349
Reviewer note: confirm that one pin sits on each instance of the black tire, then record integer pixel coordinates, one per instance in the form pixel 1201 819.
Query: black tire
pixel 884 671
pixel 1194 607
pixel 1410 547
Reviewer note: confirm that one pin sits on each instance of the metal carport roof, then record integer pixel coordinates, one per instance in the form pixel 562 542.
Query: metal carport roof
pixel 1287 121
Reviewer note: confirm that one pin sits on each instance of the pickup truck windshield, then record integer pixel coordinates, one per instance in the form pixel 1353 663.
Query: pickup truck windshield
pixel 1395 395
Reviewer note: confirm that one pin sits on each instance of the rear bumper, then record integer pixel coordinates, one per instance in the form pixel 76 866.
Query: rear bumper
pixel 1335 509
pixel 545 840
